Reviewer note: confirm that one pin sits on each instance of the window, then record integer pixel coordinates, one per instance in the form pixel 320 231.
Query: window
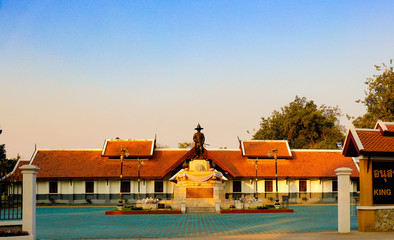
pixel 237 186
pixel 335 186
pixel 268 186
pixel 302 186
pixel 158 186
pixel 89 187
pixel 52 187
pixel 125 187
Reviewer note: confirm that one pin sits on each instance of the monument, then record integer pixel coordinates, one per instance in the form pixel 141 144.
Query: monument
pixel 199 187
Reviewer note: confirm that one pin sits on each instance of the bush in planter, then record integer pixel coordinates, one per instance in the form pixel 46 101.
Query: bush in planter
pixel 9 233
pixel 262 207
pixel 136 208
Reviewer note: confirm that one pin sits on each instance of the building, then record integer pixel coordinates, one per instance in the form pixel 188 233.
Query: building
pixel 93 175
pixel 374 150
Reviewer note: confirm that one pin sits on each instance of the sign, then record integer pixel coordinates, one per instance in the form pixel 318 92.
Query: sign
pixel 383 182
pixel 199 192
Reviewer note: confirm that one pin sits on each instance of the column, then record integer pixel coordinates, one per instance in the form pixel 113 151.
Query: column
pixel 29 199
pixel 343 199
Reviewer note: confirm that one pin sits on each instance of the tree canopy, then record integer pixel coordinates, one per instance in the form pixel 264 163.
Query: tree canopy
pixel 304 125
pixel 6 165
pixel 186 145
pixel 379 98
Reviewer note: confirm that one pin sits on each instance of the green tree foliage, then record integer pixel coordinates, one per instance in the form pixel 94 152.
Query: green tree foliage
pixel 2 151
pixel 304 125
pixel 379 98
pixel 186 145
pixel 6 165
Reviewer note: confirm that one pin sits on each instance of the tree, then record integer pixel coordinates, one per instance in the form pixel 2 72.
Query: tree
pixel 186 145
pixel 379 98
pixel 304 125
pixel 161 146
pixel 6 165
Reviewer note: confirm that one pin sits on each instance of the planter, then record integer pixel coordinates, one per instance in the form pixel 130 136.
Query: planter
pixel 142 212
pixel 258 211
pixel 24 237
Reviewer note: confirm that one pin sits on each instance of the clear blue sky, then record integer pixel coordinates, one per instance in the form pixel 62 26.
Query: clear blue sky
pixel 74 73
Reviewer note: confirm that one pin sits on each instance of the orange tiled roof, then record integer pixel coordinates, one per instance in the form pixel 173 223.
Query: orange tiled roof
pixel 261 148
pixel 370 142
pixel 136 148
pixel 90 164
pixel 66 164
pixel 375 142
pixel 305 164
pixel 390 127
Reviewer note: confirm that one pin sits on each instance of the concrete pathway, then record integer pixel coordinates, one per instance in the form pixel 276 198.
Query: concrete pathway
pixel 353 235
pixel 92 223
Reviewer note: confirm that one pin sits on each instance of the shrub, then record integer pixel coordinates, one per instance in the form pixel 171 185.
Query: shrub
pixel 262 207
pixel 13 233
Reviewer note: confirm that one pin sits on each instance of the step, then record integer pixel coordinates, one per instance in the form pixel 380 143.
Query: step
pixel 200 209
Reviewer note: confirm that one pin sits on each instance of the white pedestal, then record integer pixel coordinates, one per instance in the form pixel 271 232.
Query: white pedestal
pixel 29 199
pixel 343 199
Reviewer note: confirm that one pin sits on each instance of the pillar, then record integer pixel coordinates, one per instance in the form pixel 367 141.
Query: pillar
pixel 343 199
pixel 29 199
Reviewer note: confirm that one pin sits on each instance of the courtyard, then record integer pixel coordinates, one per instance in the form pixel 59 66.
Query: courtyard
pixel 91 223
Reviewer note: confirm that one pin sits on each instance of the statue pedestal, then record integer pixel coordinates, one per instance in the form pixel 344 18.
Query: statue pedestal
pixel 200 188
pixel 198 194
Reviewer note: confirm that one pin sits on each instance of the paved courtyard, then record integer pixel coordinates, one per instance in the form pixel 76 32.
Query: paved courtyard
pixel 91 223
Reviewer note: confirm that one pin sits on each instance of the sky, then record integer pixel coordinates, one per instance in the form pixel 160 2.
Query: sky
pixel 74 73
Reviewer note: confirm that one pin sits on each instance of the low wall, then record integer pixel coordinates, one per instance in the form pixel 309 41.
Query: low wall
pixel 384 220
pixel 11 225
pixel 376 218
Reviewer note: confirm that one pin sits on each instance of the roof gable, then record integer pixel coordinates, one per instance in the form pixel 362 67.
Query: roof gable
pixel 370 142
pixel 386 128
pixel 262 148
pixel 135 148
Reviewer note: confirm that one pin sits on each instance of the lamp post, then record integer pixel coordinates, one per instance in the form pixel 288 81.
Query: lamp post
pixel 275 152
pixel 255 161
pixel 139 163
pixel 124 153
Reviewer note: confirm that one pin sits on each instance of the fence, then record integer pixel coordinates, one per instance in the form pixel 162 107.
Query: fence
pixel 11 198
pixel 353 207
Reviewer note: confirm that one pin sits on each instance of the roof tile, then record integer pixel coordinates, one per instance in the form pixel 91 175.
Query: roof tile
pixel 136 148
pixel 261 148
pixel 374 142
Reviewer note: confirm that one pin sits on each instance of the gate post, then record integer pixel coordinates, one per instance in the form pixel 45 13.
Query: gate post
pixel 343 199
pixel 29 199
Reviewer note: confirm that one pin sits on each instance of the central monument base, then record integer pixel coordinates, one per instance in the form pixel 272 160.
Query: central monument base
pixel 199 189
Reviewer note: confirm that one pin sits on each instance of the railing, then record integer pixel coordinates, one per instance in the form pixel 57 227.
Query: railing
pixel 353 207
pixel 11 198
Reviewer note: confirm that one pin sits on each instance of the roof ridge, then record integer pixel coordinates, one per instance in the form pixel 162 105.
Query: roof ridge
pixel 172 149
pixel 367 130
pixel 120 140
pixel 264 140
pixel 316 150
pixel 87 149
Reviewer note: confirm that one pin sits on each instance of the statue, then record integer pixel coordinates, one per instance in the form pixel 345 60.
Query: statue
pixel 199 140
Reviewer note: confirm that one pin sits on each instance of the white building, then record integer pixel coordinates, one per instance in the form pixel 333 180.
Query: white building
pixel 93 175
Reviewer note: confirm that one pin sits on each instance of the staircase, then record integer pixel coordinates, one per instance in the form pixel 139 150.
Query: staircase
pixel 200 210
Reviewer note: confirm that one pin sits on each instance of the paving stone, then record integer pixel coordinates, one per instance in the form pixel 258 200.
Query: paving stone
pixel 90 222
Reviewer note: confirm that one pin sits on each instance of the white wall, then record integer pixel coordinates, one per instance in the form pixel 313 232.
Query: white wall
pixel 113 186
